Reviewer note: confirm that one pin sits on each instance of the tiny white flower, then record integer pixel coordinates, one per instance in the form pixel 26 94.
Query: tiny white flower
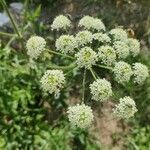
pixel 86 57
pixel 118 34
pixel 126 108
pixel 134 46
pixel 122 71
pixel 52 81
pixel 84 37
pixel 80 116
pixel 61 22
pixel 121 49
pixel 107 55
pixel 90 23
pixel 101 90
pixel 35 46
pixel 102 37
pixel 66 44
pixel 140 73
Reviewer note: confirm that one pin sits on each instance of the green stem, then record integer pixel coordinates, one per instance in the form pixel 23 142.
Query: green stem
pixel 12 21
pixel 60 54
pixel 105 67
pixel 83 85
pixel 7 34
pixel 10 41
pixel 62 67
pixel 93 74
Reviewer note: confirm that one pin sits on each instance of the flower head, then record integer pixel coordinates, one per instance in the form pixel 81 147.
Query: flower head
pixel 107 55
pixel 101 90
pixel 134 46
pixel 35 45
pixel 102 37
pixel 52 81
pixel 126 108
pixel 90 23
pixel 80 116
pixel 66 44
pixel 140 73
pixel 122 71
pixel 86 57
pixel 84 37
pixel 61 22
pixel 121 49
pixel 118 34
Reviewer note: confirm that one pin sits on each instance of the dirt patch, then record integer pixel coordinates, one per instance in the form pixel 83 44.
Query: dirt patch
pixel 106 126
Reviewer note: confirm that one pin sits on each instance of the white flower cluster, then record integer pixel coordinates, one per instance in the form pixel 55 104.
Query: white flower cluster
pixel 122 71
pixel 35 45
pixel 80 116
pixel 84 37
pixel 121 49
pixel 107 55
pixel 102 37
pixel 118 34
pixel 134 46
pixel 101 90
pixel 61 22
pixel 66 44
pixel 86 57
pixel 90 23
pixel 52 81
pixel 126 108
pixel 140 73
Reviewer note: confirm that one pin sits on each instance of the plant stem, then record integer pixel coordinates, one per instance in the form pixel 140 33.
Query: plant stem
pixel 72 65
pixel 93 74
pixel 105 67
pixel 7 34
pixel 83 85
pixel 12 21
pixel 60 54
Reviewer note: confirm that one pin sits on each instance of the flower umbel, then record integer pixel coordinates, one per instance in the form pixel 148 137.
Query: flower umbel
pixel 102 38
pixel 35 45
pixel 121 49
pixel 84 37
pixel 52 81
pixel 126 108
pixel 86 57
pixel 140 73
pixel 61 22
pixel 101 90
pixel 66 44
pixel 134 46
pixel 90 23
pixel 80 116
pixel 122 71
pixel 107 55
pixel 118 34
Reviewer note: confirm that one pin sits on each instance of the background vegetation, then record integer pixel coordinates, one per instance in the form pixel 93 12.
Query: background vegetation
pixel 29 120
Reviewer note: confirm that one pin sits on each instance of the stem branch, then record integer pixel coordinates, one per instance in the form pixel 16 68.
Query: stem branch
pixel 83 85
pixel 60 54
pixel 105 67
pixel 93 74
